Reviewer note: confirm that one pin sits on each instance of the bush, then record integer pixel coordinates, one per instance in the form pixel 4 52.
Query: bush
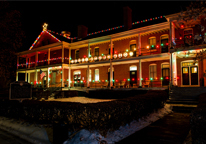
pixel 198 121
pixel 102 116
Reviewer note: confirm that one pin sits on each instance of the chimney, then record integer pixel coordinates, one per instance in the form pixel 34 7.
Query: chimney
pixel 82 31
pixel 127 18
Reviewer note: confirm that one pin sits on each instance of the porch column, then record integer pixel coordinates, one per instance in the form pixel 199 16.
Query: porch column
pixel 17 61
pixel 174 68
pixel 16 76
pixel 139 43
pixel 36 59
pixel 111 70
pixel 171 72
pixel 29 77
pixel 88 66
pixel 62 53
pixel 62 76
pixel 26 61
pixel 140 73
pixel 29 65
pixel 35 76
pixel 48 56
pixel 69 83
pixel 26 76
pixel 48 77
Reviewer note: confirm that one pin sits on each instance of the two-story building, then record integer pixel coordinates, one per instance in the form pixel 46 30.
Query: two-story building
pixel 153 52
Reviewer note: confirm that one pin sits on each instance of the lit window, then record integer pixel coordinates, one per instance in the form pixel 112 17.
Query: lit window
pixel 133 68
pixel 90 75
pixel 96 52
pixel 152 41
pixel 96 74
pixel 153 71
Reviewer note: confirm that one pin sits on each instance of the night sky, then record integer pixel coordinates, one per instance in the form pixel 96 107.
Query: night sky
pixel 61 16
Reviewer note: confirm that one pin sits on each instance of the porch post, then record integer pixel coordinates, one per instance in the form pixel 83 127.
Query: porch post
pixel 36 75
pixel 29 65
pixel 171 72
pixel 16 76
pixel 26 61
pixel 139 43
pixel 17 61
pixel 26 76
pixel 36 59
pixel 69 82
pixel 111 70
pixel 48 56
pixel 88 66
pixel 62 53
pixel 174 68
pixel 48 77
pixel 140 73
pixel 29 77
pixel 62 76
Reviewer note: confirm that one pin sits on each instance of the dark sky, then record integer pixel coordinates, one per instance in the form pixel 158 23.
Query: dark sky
pixel 67 15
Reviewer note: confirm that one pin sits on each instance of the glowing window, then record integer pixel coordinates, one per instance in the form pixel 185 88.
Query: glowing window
pixel 96 74
pixel 133 68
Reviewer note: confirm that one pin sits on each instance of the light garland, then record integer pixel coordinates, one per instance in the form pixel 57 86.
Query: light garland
pixel 40 36
pixel 62 35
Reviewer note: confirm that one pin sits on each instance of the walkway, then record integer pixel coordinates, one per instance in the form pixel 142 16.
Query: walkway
pixel 171 129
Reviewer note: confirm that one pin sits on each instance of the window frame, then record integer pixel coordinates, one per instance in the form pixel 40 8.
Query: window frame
pixel 153 37
pixel 76 54
pixel 95 51
pixel 95 74
pixel 154 71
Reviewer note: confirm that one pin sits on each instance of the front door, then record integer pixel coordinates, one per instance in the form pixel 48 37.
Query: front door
pixel 165 76
pixel 194 75
pixel 109 79
pixel 77 78
pixel 185 76
pixel 133 77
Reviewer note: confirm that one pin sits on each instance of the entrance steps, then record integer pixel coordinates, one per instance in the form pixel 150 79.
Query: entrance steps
pixel 186 93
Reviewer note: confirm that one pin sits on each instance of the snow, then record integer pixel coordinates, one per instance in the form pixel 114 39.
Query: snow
pixel 87 137
pixel 80 100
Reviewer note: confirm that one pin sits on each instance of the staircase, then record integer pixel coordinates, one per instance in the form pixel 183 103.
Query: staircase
pixel 184 99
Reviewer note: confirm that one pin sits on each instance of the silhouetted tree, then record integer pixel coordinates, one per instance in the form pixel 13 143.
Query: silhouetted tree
pixel 11 36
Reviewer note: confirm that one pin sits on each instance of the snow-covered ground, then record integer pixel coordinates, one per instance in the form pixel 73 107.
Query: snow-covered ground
pixel 80 100
pixel 87 137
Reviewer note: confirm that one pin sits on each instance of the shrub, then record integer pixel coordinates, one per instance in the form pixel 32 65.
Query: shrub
pixel 198 121
pixel 102 116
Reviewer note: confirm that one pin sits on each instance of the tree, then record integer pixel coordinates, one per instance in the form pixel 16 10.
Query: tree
pixel 11 36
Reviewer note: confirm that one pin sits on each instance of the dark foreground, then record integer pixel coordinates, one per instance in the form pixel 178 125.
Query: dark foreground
pixel 171 129
pixel 7 138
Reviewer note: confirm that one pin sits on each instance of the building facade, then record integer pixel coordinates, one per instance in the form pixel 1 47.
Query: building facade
pixel 149 56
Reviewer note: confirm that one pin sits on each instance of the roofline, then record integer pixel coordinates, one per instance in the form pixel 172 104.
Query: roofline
pixel 124 34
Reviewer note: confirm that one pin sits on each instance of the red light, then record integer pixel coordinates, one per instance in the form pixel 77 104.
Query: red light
pixel 190 36
pixel 180 38
pixel 166 78
pixel 116 80
pixel 166 43
pixel 124 79
pixel 177 77
pixel 84 56
pixel 49 75
pixel 84 81
pixel 132 79
pixel 156 78
pixel 138 78
pixel 115 52
pixel 102 80
pixel 146 78
pixel 182 26
pixel 157 46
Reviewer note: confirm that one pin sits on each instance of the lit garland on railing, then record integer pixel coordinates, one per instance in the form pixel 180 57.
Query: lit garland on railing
pixel 62 35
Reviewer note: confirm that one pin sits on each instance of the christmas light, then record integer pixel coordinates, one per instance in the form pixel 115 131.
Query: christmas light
pixel 162 44
pixel 151 78
pixel 128 79
pixel 131 53
pixel 108 56
pixel 161 78
pixel 157 46
pixel 125 54
pixel 95 58
pixel 120 55
pixel 126 50
pixel 115 56
pixel 100 57
pixel 147 46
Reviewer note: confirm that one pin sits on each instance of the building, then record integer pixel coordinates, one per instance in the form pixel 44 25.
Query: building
pixel 131 55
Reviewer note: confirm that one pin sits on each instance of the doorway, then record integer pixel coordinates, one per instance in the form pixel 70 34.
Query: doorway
pixel 54 74
pixel 189 74
pixel 77 78
pixel 44 82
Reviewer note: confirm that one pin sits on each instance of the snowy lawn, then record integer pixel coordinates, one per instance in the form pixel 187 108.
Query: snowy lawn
pixel 81 100
pixel 87 137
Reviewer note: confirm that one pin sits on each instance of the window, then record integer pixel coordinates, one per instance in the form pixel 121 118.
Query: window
pixel 77 54
pixel 96 74
pixel 188 37
pixel 152 42
pixel 96 52
pixel 153 71
pixel 133 68
pixel 133 47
